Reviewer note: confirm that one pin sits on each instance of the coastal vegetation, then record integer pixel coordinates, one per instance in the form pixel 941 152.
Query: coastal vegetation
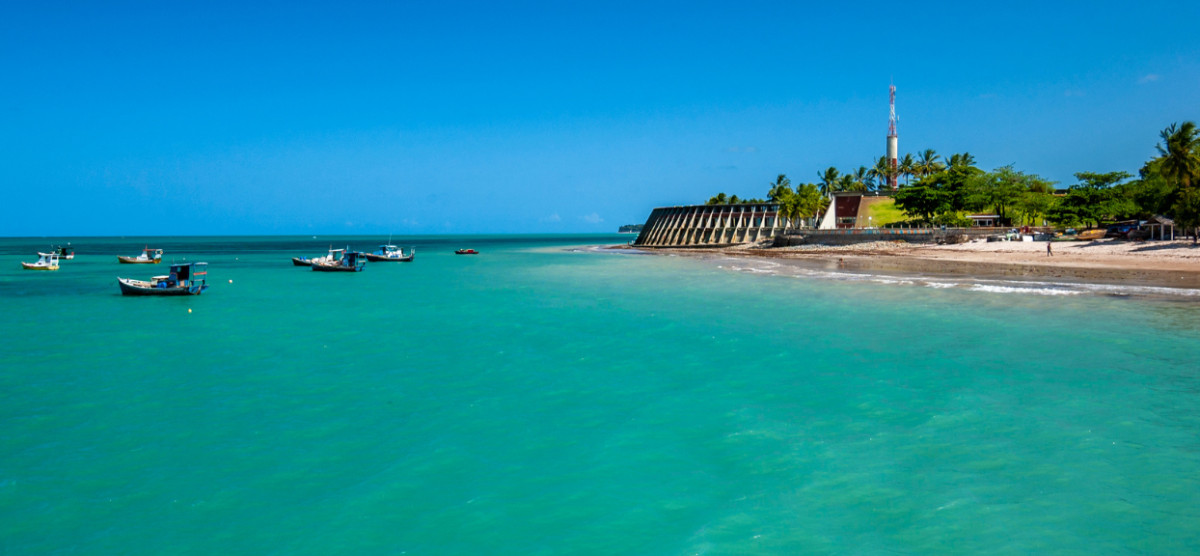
pixel 937 191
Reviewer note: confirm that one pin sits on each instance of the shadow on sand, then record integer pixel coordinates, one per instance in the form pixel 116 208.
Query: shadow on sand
pixel 1172 245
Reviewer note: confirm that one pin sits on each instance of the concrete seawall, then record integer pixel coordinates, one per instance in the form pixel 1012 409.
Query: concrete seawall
pixel 866 235
pixel 711 225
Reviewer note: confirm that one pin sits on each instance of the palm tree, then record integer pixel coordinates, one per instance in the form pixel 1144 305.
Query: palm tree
pixel 1180 153
pixel 881 170
pixel 845 183
pixel 805 203
pixel 964 160
pixel 781 189
pixel 862 180
pixel 907 166
pixel 928 163
pixel 829 180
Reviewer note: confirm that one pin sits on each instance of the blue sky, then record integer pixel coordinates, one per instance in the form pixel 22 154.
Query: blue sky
pixel 439 117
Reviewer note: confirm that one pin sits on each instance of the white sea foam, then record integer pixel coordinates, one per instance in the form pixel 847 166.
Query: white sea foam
pixel 989 286
pixel 1019 289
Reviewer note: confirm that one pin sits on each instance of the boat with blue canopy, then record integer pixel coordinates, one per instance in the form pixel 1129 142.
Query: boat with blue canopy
pixel 341 260
pixel 184 279
pixel 391 253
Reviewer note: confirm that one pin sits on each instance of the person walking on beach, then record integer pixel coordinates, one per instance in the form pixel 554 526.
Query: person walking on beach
pixel 1049 253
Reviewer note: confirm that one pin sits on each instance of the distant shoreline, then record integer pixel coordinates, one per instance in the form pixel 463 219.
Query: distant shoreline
pixel 1171 264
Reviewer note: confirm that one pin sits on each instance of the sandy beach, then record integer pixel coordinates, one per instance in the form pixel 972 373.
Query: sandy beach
pixel 1153 263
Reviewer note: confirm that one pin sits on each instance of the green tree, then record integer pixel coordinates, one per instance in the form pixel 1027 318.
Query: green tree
pixel 862 180
pixel 1033 206
pixel 880 171
pixel 961 160
pixel 1091 201
pixel 1187 211
pixel 928 164
pixel 829 180
pixel 1180 154
pixel 907 167
pixel 804 204
pixel 780 190
pixel 1150 195
pixel 922 200
pixel 845 183
pixel 998 190
pixel 718 199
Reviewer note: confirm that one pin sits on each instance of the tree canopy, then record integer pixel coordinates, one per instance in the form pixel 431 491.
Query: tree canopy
pixel 940 190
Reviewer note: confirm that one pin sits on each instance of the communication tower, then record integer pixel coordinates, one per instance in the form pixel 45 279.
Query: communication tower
pixel 893 141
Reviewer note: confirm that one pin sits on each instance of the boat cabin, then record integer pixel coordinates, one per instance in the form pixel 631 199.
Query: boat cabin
pixel 183 274
pixel 353 259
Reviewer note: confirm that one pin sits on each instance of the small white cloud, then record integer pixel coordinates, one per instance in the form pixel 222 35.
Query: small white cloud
pixel 593 218
pixel 1149 78
pixel 552 218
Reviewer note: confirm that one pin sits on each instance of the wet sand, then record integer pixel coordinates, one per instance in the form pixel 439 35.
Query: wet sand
pixel 1174 264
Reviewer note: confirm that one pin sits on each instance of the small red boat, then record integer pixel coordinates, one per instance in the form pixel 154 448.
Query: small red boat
pixel 466 252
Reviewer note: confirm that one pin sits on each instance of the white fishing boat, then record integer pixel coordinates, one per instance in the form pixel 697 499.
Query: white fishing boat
pixel 333 255
pixel 391 253
pixel 46 261
pixel 148 256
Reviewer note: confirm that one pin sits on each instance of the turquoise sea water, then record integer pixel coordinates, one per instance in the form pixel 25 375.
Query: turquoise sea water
pixel 537 399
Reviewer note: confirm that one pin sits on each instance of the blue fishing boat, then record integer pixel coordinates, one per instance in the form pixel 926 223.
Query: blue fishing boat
pixel 391 253
pixel 184 279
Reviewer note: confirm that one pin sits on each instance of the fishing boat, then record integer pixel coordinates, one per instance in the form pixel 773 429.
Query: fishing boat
pixel 466 252
pixel 46 261
pixel 1090 235
pixel 148 256
pixel 345 261
pixel 65 253
pixel 184 279
pixel 391 253
pixel 305 261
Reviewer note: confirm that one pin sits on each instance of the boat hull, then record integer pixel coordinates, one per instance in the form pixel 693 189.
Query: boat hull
pixel 137 260
pixel 336 268
pixel 35 266
pixel 299 261
pixel 138 287
pixel 386 259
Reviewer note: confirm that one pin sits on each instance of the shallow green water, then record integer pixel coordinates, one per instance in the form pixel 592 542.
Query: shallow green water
pixel 540 400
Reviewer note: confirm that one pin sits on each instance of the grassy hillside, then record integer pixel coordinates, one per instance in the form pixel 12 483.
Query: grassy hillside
pixel 884 211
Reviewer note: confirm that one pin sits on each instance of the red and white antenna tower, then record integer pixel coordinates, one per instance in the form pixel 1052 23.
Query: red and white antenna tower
pixel 893 148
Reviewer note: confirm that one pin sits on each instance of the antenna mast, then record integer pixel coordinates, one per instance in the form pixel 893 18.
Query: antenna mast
pixel 893 148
